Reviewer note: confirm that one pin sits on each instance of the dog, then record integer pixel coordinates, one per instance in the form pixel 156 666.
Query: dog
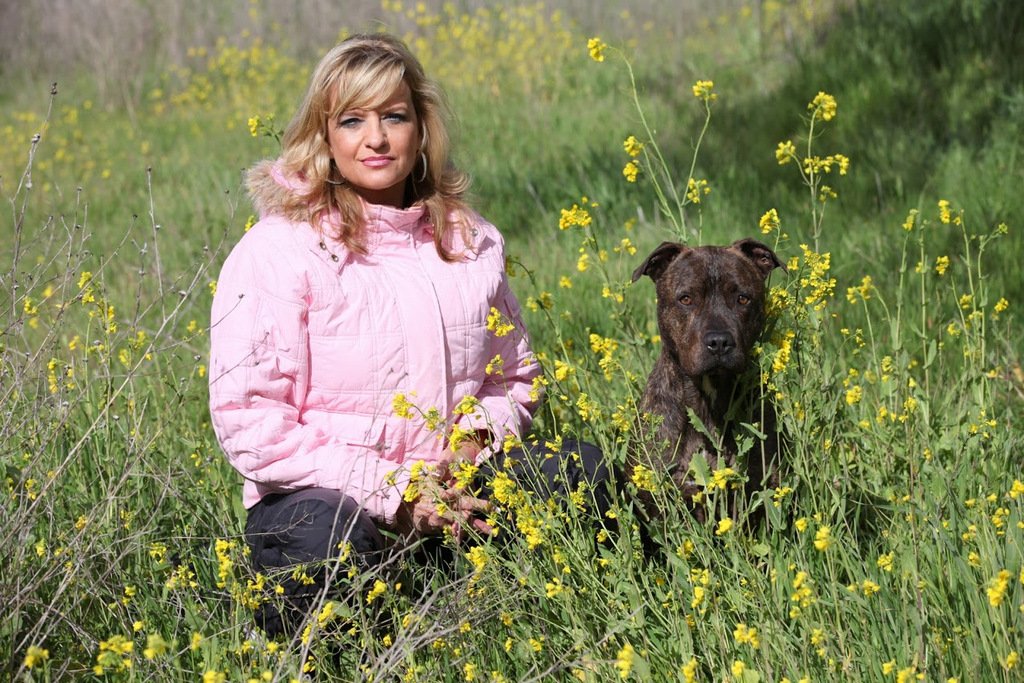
pixel 710 311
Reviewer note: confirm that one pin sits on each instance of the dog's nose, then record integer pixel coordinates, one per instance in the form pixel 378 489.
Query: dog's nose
pixel 719 343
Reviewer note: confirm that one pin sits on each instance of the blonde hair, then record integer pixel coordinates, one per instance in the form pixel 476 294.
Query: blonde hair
pixel 364 71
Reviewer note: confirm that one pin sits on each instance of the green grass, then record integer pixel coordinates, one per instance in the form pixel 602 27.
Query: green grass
pixel 898 395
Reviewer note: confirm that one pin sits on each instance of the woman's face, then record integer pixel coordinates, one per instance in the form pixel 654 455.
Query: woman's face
pixel 376 149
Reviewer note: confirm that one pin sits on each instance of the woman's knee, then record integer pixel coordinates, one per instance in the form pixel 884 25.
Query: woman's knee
pixel 309 525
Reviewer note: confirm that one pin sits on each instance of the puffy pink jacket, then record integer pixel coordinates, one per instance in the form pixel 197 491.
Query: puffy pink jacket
pixel 310 343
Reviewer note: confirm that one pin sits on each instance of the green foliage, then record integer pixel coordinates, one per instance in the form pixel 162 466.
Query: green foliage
pixel 892 546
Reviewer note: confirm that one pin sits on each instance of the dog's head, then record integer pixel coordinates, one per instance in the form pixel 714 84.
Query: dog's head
pixel 710 302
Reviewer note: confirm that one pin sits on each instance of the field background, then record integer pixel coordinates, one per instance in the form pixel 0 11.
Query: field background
pixel 892 549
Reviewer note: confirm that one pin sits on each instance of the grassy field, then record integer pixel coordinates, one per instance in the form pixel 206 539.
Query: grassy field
pixel 877 148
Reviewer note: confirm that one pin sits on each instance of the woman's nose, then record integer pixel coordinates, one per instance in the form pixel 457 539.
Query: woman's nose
pixel 376 135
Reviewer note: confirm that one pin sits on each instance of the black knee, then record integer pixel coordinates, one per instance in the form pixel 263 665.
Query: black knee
pixel 294 534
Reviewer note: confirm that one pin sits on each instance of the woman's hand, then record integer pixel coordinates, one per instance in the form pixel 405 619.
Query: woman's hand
pixel 440 505
pixel 446 508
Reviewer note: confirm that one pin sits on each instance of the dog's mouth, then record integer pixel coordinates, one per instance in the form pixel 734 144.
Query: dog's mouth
pixel 719 364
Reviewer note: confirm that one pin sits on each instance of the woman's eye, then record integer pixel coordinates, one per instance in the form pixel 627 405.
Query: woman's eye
pixel 396 117
pixel 348 122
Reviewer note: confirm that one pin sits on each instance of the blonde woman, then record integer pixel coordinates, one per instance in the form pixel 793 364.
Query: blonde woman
pixel 365 324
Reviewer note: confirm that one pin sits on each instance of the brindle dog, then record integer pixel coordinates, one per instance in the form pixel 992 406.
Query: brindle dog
pixel 710 313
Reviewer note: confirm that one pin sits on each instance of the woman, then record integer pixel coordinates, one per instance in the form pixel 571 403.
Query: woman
pixel 365 323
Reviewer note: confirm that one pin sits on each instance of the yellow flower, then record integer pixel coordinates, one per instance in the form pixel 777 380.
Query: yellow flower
pixel 630 171
pixel 823 538
pixel 941 265
pixel 703 90
pixel 496 366
pixel 908 224
pixel 997 588
pixel 156 646
pixel 596 48
pixel 624 661
pixel 477 556
pixel 944 211
pixel 785 152
pixel 721 478
pixel 35 655
pixel 498 323
pixel 738 667
pixel 743 634
pixel 884 561
pixel 769 221
pixel 863 292
pixel 214 676
pixel 724 526
pixel 379 589
pixel 400 407
pixel 823 107
pixel 633 146
pixel 554 587
pixel 643 479
pixel 690 670
pixel 801 524
pixel 254 125
pixel 695 189
pixel 583 262
pixel 576 216
pixel 588 407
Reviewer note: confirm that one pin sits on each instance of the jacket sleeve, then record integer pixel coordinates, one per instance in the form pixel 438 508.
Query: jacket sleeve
pixel 507 395
pixel 259 375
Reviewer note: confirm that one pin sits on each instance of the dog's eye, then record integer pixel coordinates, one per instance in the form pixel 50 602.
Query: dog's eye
pixel 686 300
pixel 743 299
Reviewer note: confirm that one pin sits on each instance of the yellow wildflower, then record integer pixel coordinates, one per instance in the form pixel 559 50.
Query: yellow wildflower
pixel 703 90
pixel 379 589
pixel 624 661
pixel 823 538
pixel 769 221
pixel 785 152
pixel 630 171
pixel 823 107
pixel 35 655
pixel 633 146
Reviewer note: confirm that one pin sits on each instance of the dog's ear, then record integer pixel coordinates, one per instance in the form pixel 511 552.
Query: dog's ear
pixel 761 255
pixel 655 264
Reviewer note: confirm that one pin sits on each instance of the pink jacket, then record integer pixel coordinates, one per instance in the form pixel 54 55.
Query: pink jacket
pixel 310 343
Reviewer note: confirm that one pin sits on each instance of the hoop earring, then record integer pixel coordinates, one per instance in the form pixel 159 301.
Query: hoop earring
pixel 423 176
pixel 334 182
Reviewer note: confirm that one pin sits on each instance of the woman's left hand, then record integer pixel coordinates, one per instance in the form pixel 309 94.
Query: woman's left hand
pixel 435 510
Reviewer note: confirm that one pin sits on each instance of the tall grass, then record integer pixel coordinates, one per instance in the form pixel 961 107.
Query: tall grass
pixel 891 549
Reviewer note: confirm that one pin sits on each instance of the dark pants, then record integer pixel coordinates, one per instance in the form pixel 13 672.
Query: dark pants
pixel 309 526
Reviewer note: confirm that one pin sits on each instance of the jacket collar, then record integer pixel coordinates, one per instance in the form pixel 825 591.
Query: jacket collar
pixel 384 224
